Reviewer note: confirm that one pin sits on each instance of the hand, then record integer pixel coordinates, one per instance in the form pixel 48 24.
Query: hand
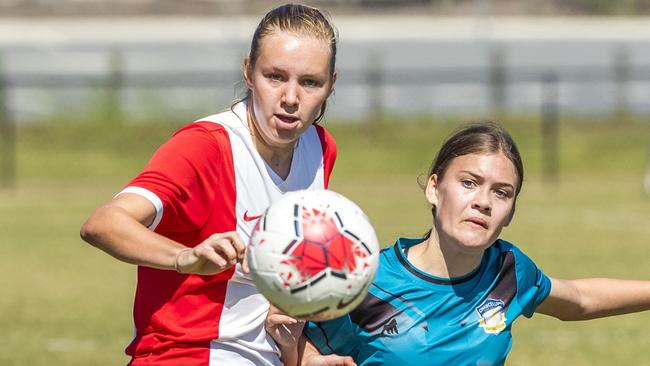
pixel 285 330
pixel 328 360
pixel 214 255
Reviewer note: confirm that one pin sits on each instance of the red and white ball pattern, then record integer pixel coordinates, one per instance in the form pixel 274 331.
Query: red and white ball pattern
pixel 313 254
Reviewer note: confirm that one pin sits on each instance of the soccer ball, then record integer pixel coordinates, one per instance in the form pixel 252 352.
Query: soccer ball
pixel 313 254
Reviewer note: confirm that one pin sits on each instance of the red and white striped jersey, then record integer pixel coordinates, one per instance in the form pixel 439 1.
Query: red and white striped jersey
pixel 209 178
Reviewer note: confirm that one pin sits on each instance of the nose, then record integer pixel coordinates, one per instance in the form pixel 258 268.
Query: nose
pixel 482 201
pixel 290 96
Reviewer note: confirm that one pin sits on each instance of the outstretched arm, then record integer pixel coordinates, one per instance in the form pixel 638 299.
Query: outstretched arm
pixel 120 228
pixel 591 298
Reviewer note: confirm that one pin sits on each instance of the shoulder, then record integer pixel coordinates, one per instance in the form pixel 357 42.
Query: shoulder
pixel 232 119
pixel 323 134
pixel 197 144
pixel 507 247
pixel 327 142
pixel 197 137
pixel 524 266
pixel 387 255
pixel 390 252
pixel 392 259
pixel 216 127
pixel 199 128
pixel 507 257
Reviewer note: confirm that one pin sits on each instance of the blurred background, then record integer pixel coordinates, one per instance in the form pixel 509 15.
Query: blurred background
pixel 90 88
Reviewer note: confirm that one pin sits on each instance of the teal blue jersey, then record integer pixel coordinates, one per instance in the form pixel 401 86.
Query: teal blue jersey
pixel 412 318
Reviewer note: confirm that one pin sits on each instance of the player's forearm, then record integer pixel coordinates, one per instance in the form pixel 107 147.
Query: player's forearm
pixel 307 351
pixel 592 298
pixel 114 231
pixel 606 297
pixel 289 356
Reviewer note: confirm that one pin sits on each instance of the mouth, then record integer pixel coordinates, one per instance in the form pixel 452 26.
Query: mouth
pixel 286 122
pixel 478 222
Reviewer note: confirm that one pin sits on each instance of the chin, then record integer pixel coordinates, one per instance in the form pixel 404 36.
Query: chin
pixel 476 248
pixel 476 244
pixel 286 137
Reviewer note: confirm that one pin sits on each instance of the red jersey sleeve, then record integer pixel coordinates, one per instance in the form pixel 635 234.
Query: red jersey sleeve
pixel 185 174
pixel 329 152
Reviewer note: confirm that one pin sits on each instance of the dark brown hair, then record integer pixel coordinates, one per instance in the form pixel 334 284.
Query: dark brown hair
pixel 478 138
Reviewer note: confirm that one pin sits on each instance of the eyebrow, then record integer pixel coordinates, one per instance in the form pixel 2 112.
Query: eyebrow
pixel 480 177
pixel 309 74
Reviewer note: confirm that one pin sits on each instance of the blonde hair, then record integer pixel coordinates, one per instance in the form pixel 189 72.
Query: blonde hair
pixel 301 20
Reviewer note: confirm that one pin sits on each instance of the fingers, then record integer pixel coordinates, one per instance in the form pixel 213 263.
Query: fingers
pixel 214 255
pixel 329 360
pixel 228 246
pixel 336 360
pixel 283 319
pixel 238 244
pixel 225 249
pixel 275 316
pixel 244 262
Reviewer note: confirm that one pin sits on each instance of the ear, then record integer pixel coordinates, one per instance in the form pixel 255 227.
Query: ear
pixel 431 191
pixel 247 73
pixel 512 214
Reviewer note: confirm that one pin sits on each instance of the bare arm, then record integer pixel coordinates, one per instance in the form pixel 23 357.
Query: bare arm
pixel 311 356
pixel 592 298
pixel 120 229
pixel 286 331
pixel 295 348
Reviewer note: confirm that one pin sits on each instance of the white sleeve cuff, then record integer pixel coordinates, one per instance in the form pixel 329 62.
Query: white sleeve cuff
pixel 151 197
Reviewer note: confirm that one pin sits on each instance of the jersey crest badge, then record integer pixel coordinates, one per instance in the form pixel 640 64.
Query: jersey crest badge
pixel 492 317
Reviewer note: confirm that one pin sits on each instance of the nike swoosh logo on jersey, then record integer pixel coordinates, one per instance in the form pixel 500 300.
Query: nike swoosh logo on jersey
pixel 250 218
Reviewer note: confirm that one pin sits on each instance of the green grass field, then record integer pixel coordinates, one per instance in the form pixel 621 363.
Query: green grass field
pixel 66 303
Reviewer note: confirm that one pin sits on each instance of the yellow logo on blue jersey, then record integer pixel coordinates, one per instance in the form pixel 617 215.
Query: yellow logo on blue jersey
pixel 492 316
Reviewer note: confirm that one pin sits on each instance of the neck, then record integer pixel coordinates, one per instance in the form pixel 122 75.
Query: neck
pixel 277 157
pixel 442 260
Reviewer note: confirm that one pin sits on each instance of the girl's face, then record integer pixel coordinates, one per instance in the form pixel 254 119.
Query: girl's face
pixel 289 82
pixel 474 200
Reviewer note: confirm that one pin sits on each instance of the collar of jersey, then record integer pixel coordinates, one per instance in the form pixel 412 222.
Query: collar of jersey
pixel 283 185
pixel 401 248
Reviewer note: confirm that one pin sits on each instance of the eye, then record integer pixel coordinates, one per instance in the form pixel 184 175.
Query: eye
pixel 502 193
pixel 310 83
pixel 275 77
pixel 468 183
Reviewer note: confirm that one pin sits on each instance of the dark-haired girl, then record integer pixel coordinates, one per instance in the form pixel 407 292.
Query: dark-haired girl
pixel 450 297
